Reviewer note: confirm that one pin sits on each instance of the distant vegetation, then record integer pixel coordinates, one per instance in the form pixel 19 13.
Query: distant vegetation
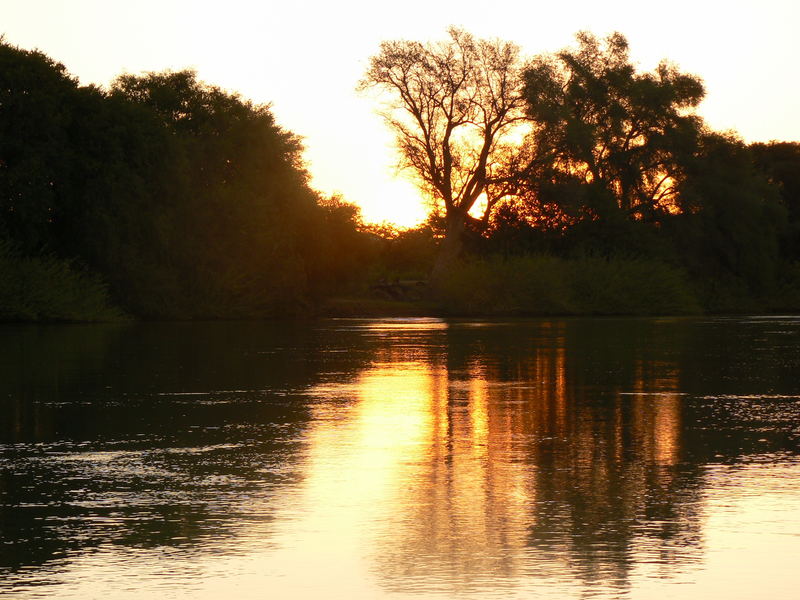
pixel 603 192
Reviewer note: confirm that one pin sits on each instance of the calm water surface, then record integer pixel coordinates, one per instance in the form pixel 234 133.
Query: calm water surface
pixel 606 458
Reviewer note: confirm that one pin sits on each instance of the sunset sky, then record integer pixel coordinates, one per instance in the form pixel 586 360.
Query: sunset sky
pixel 305 58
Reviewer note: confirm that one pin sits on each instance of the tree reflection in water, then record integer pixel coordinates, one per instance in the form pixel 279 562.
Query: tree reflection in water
pixel 416 457
pixel 475 460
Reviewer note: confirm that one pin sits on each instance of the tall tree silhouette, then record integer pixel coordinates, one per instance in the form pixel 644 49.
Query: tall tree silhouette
pixel 453 106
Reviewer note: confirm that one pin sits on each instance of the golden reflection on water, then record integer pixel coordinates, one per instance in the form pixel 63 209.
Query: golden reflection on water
pixel 424 460
pixel 449 474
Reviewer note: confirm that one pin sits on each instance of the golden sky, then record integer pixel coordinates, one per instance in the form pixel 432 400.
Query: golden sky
pixel 305 58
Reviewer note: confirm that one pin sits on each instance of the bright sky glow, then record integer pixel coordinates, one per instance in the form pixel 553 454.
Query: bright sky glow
pixel 306 57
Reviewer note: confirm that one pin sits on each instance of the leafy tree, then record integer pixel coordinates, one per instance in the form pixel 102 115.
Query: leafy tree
pixel 780 161
pixel 453 106
pixel 342 252
pixel 732 219
pixel 189 201
pixel 235 231
pixel 607 140
pixel 36 97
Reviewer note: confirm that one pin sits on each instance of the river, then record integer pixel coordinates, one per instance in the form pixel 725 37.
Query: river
pixel 401 459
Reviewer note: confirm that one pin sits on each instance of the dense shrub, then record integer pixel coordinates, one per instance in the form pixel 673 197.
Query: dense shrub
pixel 544 285
pixel 45 288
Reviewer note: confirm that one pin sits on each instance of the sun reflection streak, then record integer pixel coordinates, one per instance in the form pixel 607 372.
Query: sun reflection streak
pixel 452 469
pixel 440 460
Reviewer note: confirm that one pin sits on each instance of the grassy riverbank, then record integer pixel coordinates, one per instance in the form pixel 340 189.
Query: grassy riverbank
pixel 545 285
pixel 49 289
pixel 541 285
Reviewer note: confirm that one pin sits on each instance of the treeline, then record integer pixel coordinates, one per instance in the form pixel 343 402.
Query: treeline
pixel 727 238
pixel 164 197
pixel 580 157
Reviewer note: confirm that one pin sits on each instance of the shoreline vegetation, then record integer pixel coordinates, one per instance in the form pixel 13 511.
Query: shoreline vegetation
pixel 166 198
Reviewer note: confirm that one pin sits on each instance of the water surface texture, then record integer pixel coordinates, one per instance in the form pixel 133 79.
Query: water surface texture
pixel 604 458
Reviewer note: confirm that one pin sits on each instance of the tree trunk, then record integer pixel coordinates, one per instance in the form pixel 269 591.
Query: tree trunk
pixel 450 248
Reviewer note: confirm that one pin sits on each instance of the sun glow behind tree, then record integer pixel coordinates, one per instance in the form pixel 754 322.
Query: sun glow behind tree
pixel 305 59
pixel 451 105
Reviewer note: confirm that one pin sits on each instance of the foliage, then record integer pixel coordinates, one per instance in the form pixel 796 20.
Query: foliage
pixel 233 231
pixel 546 285
pixel 787 296
pixel 188 200
pixel 343 249
pixel 514 286
pixel 48 289
pixel 780 162
pixel 607 138
pixel 631 286
pixel 406 254
pixel 178 199
pixel 453 106
pixel 732 219
pixel 36 95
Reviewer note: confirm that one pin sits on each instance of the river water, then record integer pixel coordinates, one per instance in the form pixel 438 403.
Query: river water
pixel 411 458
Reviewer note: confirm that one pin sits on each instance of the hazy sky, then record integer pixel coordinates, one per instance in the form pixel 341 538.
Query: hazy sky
pixel 305 58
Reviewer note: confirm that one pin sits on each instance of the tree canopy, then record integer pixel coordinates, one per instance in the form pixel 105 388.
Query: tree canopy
pixel 453 106
pixel 188 200
pixel 608 138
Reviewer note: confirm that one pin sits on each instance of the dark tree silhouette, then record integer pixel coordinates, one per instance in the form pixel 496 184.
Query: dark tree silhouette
pixel 780 161
pixel 607 138
pixel 453 107
pixel 36 99
pixel 236 227
pixel 189 201
pixel 732 218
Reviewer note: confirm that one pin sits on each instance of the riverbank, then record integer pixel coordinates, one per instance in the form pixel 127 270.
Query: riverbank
pixel 47 289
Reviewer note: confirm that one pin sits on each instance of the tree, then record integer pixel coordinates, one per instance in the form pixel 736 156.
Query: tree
pixel 36 97
pixel 608 140
pixel 453 106
pixel 732 220
pixel 187 200
pixel 780 161
pixel 235 233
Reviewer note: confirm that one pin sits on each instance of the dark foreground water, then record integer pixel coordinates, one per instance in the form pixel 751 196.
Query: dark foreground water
pixel 641 458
